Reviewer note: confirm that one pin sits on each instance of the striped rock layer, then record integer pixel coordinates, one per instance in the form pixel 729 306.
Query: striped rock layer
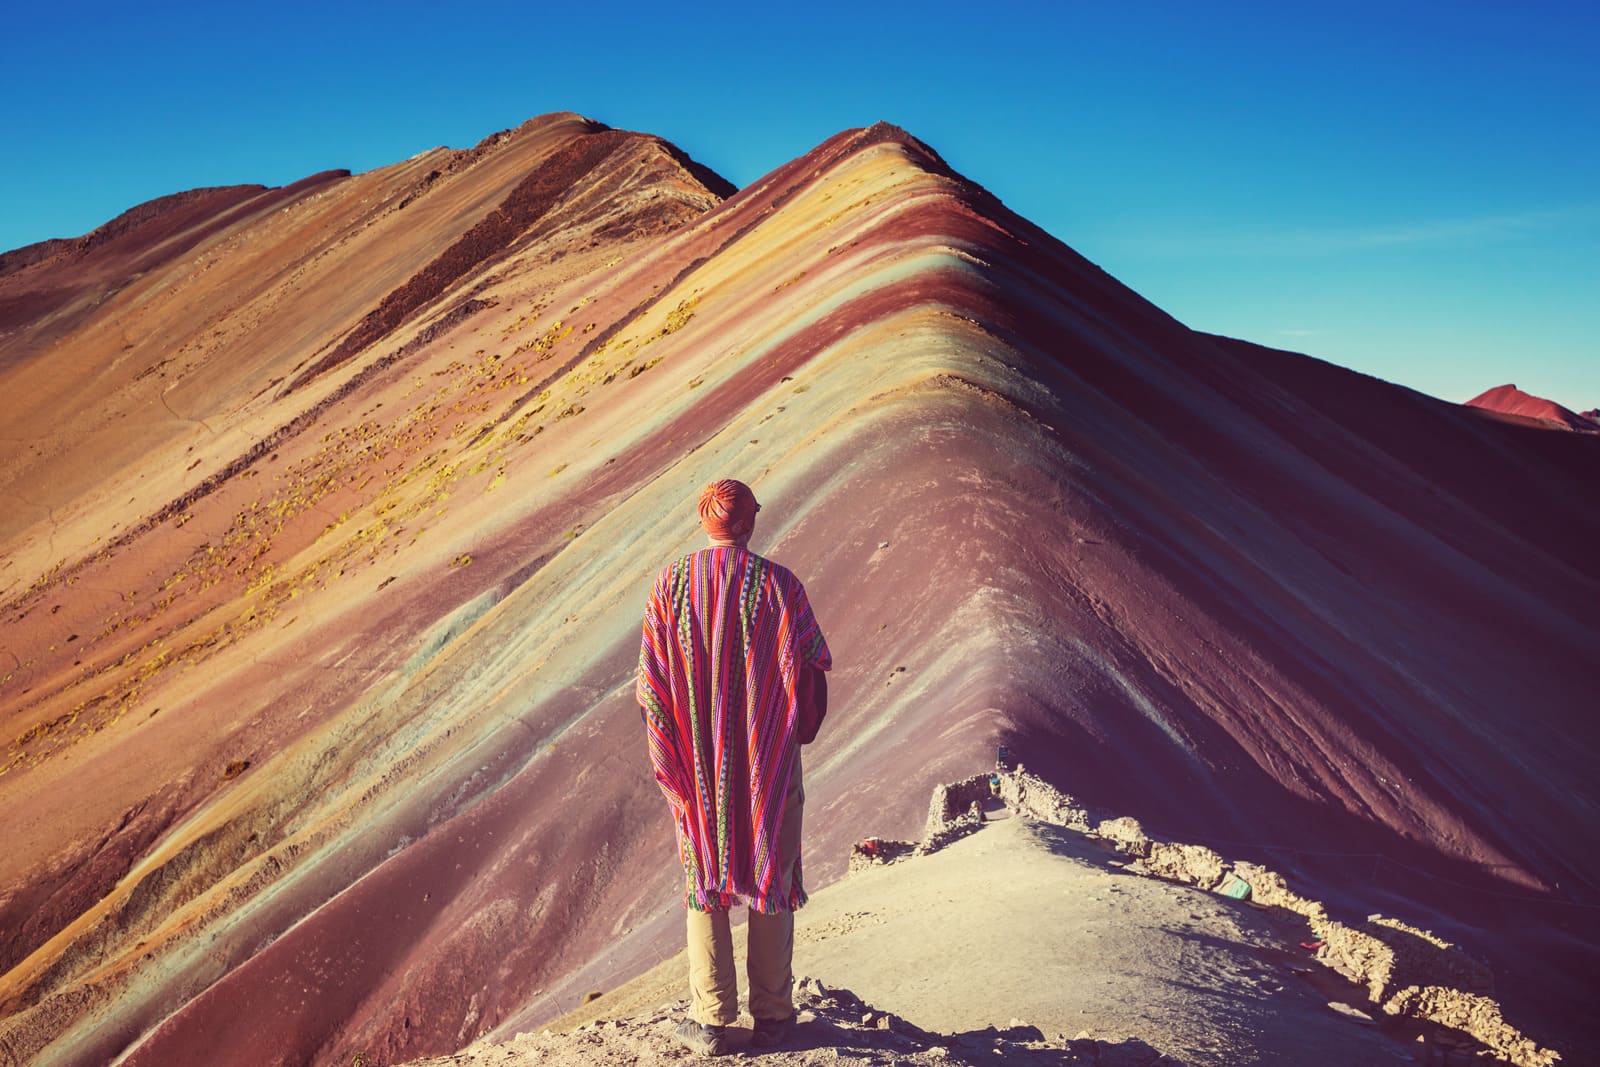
pixel 331 509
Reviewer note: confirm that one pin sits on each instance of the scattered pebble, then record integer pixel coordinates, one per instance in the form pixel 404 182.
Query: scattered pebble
pixel 1352 1013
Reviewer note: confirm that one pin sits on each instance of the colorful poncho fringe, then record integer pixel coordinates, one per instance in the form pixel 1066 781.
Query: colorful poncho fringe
pixel 725 635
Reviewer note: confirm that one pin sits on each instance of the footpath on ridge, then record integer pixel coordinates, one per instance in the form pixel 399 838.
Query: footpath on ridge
pixel 1008 930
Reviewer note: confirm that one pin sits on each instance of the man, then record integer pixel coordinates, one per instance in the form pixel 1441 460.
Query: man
pixel 730 682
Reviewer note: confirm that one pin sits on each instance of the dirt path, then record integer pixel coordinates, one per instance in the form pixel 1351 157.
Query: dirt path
pixel 1021 926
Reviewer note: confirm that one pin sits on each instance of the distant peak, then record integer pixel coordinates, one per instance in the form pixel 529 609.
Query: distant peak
pixel 1509 400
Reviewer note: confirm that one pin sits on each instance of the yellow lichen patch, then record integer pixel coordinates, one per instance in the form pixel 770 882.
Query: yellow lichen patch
pixel 545 343
pixel 44 579
pixel 517 428
pixel 678 317
pixel 262 579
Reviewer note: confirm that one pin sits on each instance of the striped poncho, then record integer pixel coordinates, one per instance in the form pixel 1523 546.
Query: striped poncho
pixel 725 635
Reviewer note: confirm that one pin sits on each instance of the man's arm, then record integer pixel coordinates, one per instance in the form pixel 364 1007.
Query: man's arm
pixel 653 693
pixel 819 690
pixel 664 759
pixel 813 699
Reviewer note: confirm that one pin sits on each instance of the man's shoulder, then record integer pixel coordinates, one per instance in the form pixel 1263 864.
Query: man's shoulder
pixel 666 575
pixel 677 569
pixel 782 576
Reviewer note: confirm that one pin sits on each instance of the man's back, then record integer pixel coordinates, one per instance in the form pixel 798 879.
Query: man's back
pixel 726 635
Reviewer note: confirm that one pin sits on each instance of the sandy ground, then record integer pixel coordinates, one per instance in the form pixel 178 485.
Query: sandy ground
pixel 1025 930
pixel 836 1027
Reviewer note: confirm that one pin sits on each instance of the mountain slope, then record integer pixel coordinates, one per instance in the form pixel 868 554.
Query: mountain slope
pixel 355 690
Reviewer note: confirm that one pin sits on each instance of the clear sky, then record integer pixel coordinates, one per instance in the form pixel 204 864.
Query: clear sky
pixel 1408 189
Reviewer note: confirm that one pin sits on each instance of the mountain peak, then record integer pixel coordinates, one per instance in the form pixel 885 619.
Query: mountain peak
pixel 1509 400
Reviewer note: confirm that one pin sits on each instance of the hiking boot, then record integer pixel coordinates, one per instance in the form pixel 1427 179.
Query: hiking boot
pixel 770 1033
pixel 704 1039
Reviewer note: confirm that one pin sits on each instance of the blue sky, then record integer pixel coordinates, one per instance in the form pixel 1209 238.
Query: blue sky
pixel 1410 190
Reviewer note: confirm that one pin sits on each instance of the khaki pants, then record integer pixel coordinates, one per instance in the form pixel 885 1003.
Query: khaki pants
pixel 713 992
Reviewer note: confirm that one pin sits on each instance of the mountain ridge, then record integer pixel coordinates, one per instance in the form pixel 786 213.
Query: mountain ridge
pixel 386 673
